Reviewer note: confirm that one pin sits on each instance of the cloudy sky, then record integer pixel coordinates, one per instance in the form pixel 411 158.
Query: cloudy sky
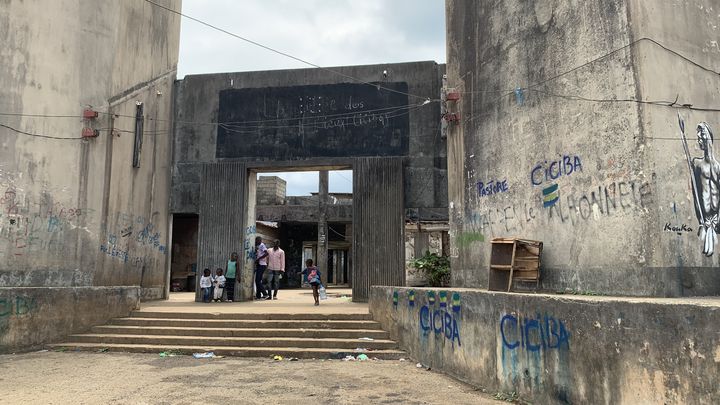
pixel 324 32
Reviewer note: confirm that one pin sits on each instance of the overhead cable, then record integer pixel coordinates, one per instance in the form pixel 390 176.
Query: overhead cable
pixel 283 53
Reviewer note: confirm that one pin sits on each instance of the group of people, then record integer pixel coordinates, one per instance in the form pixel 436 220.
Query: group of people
pixel 215 285
pixel 269 269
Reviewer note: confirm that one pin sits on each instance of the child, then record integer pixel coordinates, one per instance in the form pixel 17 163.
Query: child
pixel 206 285
pixel 313 277
pixel 219 285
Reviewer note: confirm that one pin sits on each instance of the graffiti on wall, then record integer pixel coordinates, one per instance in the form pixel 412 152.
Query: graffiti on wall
pixel 547 172
pixel 249 249
pixel 705 181
pixel 576 207
pixel 492 187
pixel 134 241
pixel 34 226
pixel 541 333
pixel 441 319
pixel 16 307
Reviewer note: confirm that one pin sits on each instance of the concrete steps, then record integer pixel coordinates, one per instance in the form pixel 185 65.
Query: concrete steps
pixel 241 332
pixel 312 335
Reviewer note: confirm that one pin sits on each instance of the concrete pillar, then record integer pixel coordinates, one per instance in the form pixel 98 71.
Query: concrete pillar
pixel 322 249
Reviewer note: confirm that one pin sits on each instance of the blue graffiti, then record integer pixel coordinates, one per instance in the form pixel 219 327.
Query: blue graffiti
pixel 492 187
pixel 555 169
pixel 439 321
pixel 533 334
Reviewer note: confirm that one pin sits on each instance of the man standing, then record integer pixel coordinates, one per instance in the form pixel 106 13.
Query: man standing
pixel 276 266
pixel 705 179
pixel 261 257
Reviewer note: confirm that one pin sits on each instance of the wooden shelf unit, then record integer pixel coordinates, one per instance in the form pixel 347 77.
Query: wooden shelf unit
pixel 514 259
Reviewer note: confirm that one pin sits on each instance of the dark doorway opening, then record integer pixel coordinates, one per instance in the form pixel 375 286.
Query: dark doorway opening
pixel 183 267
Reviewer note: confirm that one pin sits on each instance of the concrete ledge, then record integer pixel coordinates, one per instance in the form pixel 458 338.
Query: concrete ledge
pixel 31 316
pixel 558 348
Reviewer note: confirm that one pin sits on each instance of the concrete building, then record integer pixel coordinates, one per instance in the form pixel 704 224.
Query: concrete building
pixel 387 132
pixel 84 220
pixel 569 159
pixel 564 128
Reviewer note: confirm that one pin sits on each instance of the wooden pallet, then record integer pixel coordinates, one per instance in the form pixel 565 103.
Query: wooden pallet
pixel 519 257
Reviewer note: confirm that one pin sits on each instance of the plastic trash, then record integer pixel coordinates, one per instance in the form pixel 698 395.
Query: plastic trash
pixel 419 365
pixel 349 358
pixel 402 360
pixel 366 338
pixel 206 355
pixel 277 357
pixel 293 359
pixel 363 357
pixel 323 293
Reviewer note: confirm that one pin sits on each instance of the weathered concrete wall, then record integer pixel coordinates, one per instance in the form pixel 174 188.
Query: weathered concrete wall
pixel 30 317
pixel 310 116
pixel 561 349
pixel 596 181
pixel 74 212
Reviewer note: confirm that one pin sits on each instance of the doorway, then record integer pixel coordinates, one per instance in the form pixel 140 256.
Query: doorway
pixel 183 256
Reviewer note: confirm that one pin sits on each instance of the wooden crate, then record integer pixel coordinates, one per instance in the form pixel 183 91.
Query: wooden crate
pixel 514 259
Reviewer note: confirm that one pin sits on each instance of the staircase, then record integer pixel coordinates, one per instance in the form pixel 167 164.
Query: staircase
pixel 311 335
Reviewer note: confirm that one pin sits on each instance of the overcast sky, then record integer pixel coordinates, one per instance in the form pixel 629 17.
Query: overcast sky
pixel 324 32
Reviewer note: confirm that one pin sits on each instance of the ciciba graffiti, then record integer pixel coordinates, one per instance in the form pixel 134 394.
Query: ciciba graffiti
pixel 440 322
pixel 549 171
pixel 533 334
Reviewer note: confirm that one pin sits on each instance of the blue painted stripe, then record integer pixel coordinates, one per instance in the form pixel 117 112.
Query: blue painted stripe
pixel 550 189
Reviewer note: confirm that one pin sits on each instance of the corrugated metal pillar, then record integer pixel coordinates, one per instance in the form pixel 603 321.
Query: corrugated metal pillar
pixel 378 225
pixel 222 216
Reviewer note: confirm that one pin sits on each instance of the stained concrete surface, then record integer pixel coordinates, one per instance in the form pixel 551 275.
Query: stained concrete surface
pixel 91 378
pixel 295 301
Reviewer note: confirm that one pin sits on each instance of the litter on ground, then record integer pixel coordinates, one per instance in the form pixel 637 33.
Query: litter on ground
pixel 206 355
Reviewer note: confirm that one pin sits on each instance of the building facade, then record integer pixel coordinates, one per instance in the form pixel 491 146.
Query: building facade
pixel 569 133
pixel 85 102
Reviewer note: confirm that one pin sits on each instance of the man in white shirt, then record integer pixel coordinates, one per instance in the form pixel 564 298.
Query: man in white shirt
pixel 275 267
pixel 261 261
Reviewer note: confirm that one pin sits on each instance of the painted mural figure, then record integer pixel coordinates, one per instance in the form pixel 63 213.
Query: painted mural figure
pixel 705 179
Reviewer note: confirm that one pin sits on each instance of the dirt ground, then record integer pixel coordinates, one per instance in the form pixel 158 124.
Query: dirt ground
pixel 123 378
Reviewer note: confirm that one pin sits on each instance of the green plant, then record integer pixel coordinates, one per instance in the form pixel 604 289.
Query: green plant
pixel 436 268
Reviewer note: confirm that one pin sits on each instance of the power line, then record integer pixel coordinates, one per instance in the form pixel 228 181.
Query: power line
pixel 36 135
pixel 597 59
pixel 38 115
pixel 283 53
pixel 312 125
pixel 671 104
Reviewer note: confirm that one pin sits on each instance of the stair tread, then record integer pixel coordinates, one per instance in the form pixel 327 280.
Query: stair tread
pixel 358 321
pixel 230 338
pixel 252 315
pixel 239 329
pixel 223 348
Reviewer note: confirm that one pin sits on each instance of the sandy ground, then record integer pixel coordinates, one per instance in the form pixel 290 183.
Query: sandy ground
pixel 121 378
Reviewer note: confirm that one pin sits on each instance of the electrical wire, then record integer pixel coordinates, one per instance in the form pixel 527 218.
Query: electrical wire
pixel 313 125
pixel 599 58
pixel 37 135
pixel 672 104
pixel 355 79
pixel 38 115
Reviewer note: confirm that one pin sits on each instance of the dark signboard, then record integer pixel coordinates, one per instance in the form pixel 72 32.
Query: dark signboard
pixel 333 120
